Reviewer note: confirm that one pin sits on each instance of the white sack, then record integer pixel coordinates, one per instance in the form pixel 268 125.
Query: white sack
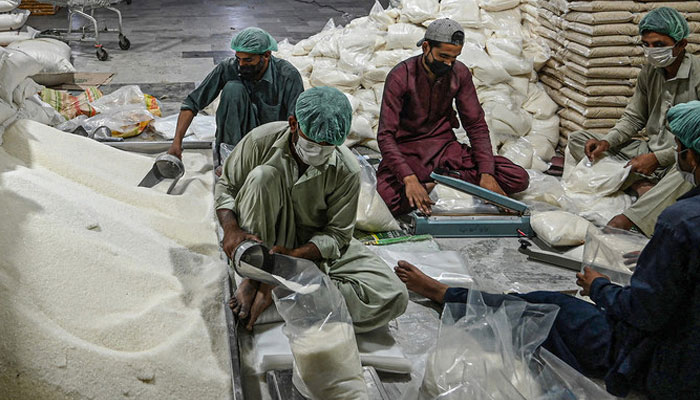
pixel 403 36
pixel 542 147
pixel 13 36
pixel 466 12
pixel 483 68
pixel 373 215
pixel 538 103
pixel 389 58
pixel 509 53
pixel 560 228
pixel 8 5
pixel 33 108
pixel 52 54
pixel 15 66
pixel 26 89
pixel 520 152
pixel 13 20
pixel 548 128
pixel 8 114
pixel 418 11
pixel 303 47
pixel 344 81
pixel 604 177
pixel 498 5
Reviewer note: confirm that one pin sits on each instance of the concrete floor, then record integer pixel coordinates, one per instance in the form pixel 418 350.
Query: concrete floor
pixel 175 44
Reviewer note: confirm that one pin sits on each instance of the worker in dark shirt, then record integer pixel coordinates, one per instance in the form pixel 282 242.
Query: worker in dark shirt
pixel 416 126
pixel 647 334
pixel 255 87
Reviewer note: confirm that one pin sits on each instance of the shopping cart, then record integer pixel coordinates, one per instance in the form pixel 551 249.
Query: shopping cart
pixel 89 30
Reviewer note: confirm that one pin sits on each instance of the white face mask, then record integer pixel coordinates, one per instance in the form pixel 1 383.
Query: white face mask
pixel 659 57
pixel 687 176
pixel 312 153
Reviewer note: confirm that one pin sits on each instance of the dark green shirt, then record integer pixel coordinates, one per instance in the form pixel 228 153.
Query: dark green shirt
pixel 274 95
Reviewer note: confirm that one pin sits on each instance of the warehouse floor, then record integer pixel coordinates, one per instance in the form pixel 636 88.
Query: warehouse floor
pixel 175 44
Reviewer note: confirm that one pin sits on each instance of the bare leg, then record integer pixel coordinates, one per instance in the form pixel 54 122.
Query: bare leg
pixel 243 298
pixel 621 222
pixel 641 187
pixel 263 299
pixel 418 282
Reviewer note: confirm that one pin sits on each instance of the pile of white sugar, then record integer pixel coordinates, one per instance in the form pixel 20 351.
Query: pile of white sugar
pixel 107 290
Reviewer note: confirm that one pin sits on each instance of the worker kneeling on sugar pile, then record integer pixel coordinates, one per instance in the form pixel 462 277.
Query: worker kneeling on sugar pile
pixel 416 126
pixel 295 187
pixel 645 335
pixel 255 87
pixel 672 76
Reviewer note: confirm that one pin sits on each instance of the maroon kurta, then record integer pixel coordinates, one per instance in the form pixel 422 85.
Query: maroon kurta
pixel 416 133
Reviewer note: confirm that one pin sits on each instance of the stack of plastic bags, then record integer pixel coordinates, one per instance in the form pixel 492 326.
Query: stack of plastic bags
pixel 596 55
pixel 502 56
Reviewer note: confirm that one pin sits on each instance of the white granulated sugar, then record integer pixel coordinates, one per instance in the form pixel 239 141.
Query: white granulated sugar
pixel 107 290
pixel 328 362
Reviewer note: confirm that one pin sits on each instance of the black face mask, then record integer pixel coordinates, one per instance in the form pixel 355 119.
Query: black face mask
pixel 249 72
pixel 439 68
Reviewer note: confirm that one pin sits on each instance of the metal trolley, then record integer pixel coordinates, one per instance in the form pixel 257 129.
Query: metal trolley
pixel 89 32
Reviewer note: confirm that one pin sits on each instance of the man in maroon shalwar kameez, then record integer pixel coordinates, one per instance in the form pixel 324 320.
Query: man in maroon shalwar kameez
pixel 416 126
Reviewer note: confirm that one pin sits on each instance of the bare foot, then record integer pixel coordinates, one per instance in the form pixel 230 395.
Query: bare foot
pixel 641 187
pixel 243 298
pixel 418 282
pixel 621 222
pixel 263 299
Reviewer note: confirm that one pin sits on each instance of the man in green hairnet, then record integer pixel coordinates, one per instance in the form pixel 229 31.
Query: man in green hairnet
pixel 671 76
pixel 255 88
pixel 294 186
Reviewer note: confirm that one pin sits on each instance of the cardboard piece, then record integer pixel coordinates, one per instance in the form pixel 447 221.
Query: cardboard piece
pixel 73 80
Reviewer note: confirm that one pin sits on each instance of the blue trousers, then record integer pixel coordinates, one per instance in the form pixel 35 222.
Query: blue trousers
pixel 581 335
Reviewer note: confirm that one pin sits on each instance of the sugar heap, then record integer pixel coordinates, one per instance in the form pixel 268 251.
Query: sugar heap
pixel 107 290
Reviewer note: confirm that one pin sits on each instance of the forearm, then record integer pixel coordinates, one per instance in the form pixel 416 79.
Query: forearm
pixel 227 220
pixel 183 123
pixel 308 251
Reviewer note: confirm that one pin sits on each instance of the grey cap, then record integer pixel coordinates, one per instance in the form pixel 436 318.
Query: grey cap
pixel 441 30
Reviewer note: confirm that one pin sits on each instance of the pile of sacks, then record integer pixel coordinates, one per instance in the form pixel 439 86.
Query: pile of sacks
pixel 502 55
pixel 11 20
pixel 596 55
pixel 19 97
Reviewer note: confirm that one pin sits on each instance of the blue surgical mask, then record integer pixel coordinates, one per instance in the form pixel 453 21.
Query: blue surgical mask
pixel 687 176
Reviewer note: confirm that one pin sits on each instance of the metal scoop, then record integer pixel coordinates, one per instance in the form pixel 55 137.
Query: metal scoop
pixel 253 260
pixel 166 166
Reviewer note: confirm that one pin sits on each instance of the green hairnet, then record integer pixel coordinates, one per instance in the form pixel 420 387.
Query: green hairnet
pixel 324 114
pixel 665 20
pixel 253 40
pixel 684 120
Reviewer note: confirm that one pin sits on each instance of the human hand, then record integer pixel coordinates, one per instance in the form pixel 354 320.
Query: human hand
pixel 235 237
pixel 263 299
pixel 489 182
pixel 417 195
pixel 595 148
pixel 282 250
pixel 585 280
pixel 175 150
pixel 645 164
pixel 631 257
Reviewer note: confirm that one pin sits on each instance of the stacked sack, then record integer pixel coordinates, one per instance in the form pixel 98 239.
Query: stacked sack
pixel 11 21
pixel 502 55
pixel 596 55
pixel 19 97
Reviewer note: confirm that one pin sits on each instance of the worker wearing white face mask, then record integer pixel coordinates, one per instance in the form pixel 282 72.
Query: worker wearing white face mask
pixel 671 76
pixel 295 187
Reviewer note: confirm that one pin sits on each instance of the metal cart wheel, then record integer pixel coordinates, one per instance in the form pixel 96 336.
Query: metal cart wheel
pixel 102 54
pixel 124 43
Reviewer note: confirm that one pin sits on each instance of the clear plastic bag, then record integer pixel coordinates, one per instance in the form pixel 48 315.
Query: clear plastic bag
pixel 604 177
pixel 126 95
pixel 125 121
pixel 491 353
pixel 613 252
pixel 320 331
pixel 452 201
pixel 447 267
pixel 372 213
